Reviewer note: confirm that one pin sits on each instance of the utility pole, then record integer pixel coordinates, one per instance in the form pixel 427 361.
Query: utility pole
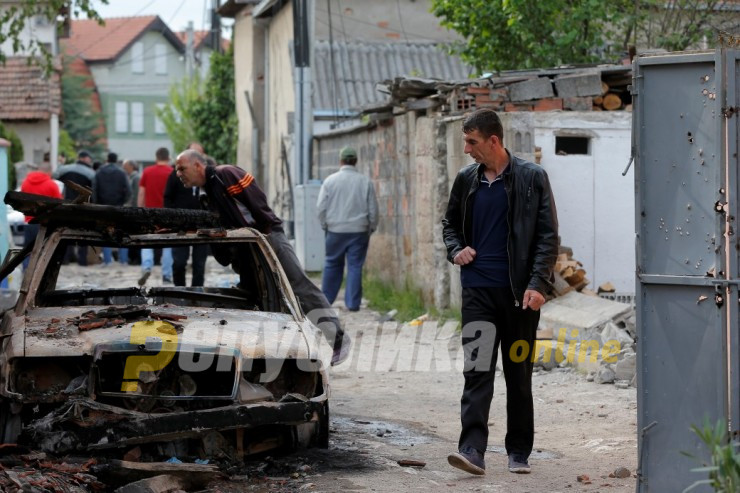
pixel 303 12
pixel 308 234
pixel 189 51
pixel 215 27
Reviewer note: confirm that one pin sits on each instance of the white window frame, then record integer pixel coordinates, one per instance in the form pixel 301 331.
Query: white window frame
pixel 121 117
pixel 137 58
pixel 159 127
pixel 137 117
pixel 160 59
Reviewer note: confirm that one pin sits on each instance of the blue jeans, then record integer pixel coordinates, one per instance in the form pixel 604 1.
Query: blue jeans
pixel 123 255
pixel 107 255
pixel 353 246
pixel 147 261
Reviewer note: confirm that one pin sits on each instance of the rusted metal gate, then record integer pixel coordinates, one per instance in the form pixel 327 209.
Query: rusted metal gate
pixel 686 137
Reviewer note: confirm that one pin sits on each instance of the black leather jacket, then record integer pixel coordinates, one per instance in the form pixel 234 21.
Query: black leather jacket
pixel 532 218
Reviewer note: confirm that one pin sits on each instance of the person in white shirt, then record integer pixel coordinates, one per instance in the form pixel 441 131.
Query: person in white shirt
pixel 348 211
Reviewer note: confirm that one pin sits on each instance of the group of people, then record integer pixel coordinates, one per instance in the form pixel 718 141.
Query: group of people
pixel 500 228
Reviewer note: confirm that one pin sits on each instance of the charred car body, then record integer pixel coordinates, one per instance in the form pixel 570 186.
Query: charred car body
pixel 111 365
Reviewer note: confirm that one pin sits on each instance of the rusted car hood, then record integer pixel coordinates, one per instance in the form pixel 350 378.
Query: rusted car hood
pixel 53 331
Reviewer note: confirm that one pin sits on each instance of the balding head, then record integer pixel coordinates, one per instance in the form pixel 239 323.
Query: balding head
pixel 191 168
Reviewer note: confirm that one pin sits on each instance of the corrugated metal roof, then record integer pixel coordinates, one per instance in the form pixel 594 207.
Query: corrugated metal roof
pixel 358 66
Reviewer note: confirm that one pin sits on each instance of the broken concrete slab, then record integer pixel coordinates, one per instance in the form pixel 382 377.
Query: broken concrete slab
pixel 531 89
pixel 164 483
pixel 578 103
pixel 580 311
pixel 578 85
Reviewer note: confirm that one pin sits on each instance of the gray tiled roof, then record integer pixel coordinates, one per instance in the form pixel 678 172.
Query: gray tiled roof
pixel 358 66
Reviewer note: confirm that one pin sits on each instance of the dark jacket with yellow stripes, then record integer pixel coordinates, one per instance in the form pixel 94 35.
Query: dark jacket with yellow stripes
pixel 234 195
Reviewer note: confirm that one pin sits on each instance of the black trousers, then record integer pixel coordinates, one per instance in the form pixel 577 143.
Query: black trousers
pixel 180 261
pixel 490 319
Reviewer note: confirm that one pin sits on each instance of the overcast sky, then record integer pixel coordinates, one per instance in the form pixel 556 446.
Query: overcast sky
pixel 175 13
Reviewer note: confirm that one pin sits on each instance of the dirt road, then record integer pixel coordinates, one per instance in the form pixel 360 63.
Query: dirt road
pixel 381 415
pixel 397 397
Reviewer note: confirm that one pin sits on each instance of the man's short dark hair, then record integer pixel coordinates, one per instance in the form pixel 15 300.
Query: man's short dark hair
pixel 486 121
pixel 83 154
pixel 162 154
pixel 112 157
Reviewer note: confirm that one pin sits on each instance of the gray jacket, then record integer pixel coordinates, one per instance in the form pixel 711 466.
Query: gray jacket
pixel 347 202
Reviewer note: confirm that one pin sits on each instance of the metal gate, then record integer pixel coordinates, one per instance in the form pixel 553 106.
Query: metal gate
pixel 685 135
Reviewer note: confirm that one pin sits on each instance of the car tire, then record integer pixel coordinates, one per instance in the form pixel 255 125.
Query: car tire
pixel 322 437
pixel 10 424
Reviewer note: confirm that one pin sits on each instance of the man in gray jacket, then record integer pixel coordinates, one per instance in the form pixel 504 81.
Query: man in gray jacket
pixel 348 211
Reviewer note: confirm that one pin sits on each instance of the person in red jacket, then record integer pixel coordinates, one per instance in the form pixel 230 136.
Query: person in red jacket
pixel 40 183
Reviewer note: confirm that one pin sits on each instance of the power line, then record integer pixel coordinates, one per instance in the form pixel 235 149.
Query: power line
pixel 368 23
pixel 400 19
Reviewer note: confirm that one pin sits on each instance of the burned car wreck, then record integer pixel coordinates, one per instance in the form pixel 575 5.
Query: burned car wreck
pixel 110 365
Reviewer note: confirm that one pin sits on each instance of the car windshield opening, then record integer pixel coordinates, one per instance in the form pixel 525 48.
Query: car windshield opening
pixel 235 275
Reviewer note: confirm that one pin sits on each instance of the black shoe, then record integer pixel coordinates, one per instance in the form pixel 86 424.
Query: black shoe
pixel 469 460
pixel 518 464
pixel 144 276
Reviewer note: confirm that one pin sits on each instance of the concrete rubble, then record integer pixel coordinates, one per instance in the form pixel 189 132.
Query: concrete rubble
pixel 581 324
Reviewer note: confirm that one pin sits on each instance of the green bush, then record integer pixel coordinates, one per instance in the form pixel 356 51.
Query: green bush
pixel 15 153
pixel 724 465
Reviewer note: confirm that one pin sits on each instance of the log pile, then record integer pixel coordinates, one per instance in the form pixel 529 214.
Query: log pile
pixel 569 273
pixel 571 276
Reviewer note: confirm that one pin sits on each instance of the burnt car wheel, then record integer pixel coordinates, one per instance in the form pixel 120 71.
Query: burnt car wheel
pixel 322 437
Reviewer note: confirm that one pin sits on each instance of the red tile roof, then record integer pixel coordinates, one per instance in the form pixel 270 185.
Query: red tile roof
pixel 26 94
pixel 95 43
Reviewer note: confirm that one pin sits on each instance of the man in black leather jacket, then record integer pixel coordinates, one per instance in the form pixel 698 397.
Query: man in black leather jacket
pixel 501 229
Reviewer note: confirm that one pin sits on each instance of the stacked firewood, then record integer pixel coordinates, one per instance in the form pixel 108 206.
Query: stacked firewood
pixel 613 97
pixel 571 276
pixel 569 273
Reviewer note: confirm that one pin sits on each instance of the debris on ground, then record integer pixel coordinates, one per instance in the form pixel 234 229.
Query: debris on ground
pixel 621 473
pixel 411 463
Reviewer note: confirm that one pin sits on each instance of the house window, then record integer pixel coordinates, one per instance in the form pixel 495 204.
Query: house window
pixel 137 118
pixel 565 146
pixel 158 125
pixel 137 58
pixel 160 59
pixel 121 117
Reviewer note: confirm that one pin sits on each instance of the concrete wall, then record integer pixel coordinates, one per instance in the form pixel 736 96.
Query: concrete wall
pixel 413 162
pixel 35 138
pixel 249 70
pixel 595 202
pixel 380 20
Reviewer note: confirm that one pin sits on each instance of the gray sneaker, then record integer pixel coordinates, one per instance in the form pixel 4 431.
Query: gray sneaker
pixel 469 460
pixel 518 464
pixel 341 352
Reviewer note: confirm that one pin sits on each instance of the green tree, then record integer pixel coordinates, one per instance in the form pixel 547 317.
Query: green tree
pixel 15 152
pixel 519 34
pixel 516 34
pixel 66 146
pixel 205 112
pixel 177 116
pixel 81 121
pixel 214 114
pixel 676 25
pixel 15 15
